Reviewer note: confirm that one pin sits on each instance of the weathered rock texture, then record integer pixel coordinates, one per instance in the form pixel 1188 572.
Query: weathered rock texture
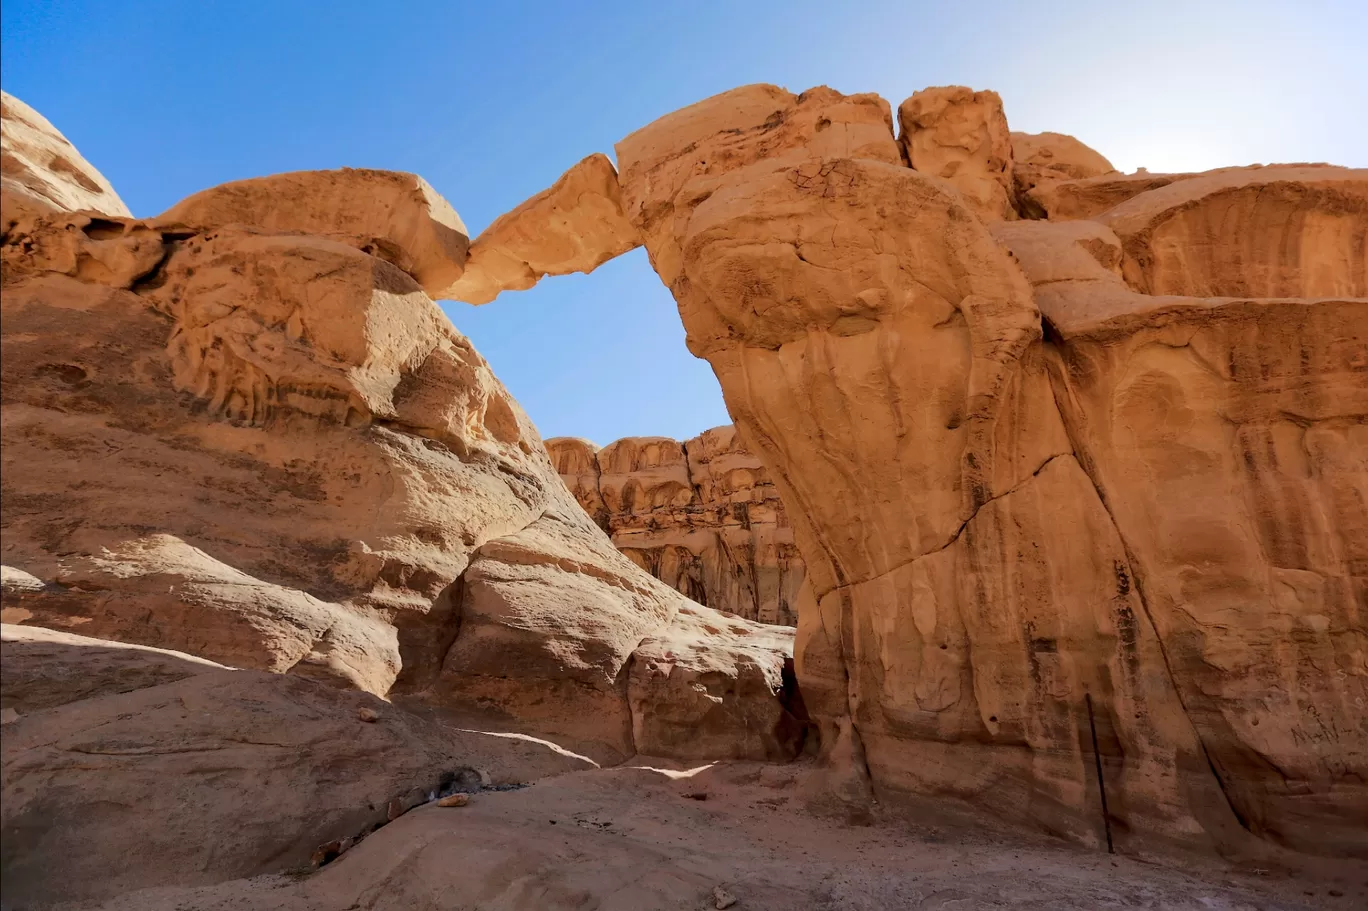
pixel 1041 161
pixel 1072 493
pixel 131 767
pixel 1047 478
pixel 575 226
pixel 244 431
pixel 960 135
pixel 701 516
pixel 42 172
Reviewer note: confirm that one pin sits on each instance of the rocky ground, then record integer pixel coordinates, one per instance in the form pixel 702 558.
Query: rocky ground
pixel 647 835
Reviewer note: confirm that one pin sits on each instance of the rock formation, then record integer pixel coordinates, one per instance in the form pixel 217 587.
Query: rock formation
pixel 242 430
pixel 960 135
pixel 1081 499
pixel 188 772
pixel 574 226
pixel 1048 477
pixel 42 172
pixel 702 516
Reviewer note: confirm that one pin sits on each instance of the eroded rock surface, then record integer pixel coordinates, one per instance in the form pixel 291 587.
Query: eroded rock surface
pixel 244 431
pixel 163 769
pixel 701 516
pixel 41 171
pixel 980 599
pixel 961 136
pixel 574 226
pixel 1040 161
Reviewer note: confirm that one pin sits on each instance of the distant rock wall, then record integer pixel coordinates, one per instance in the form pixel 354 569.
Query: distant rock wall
pixel 702 516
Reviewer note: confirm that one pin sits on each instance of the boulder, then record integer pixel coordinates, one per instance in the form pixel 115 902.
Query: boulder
pixel 554 621
pixel 394 216
pixel 43 173
pixel 159 769
pixel 1041 160
pixel 704 689
pixel 961 136
pixel 666 167
pixel 575 225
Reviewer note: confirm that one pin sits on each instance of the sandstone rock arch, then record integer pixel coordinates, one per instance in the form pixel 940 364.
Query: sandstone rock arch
pixel 1033 461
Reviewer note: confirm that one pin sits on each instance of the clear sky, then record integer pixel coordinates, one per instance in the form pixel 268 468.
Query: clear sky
pixel 491 101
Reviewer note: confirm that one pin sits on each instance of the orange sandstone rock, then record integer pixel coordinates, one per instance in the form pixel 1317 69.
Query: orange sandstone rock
pixel 574 226
pixel 243 430
pixel 961 136
pixel 702 516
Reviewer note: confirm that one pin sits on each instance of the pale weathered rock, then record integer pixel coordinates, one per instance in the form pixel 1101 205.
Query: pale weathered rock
pixel 45 668
pixel 704 689
pixel 701 516
pixel 162 769
pixel 391 215
pixel 552 617
pixel 1041 160
pixel 368 715
pixel 961 136
pixel 454 800
pixel 41 171
pixel 574 226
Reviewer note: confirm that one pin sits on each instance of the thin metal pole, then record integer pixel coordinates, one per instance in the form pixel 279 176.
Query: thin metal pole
pixel 1101 785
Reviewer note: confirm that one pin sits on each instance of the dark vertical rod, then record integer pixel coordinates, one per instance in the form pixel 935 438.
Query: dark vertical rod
pixel 1101 785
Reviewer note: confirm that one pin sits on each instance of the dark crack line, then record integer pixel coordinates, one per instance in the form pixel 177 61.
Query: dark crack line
pixel 1138 580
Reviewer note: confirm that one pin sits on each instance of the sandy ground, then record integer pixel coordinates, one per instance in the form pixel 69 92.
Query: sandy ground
pixel 635 838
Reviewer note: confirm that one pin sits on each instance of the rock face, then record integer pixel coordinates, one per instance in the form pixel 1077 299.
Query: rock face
pixel 1091 476
pixel 132 767
pixel 1040 161
pixel 395 217
pixel 701 516
pixel 979 585
pixel 42 172
pixel 244 431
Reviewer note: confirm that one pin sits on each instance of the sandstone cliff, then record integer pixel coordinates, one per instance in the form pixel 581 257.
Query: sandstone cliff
pixel 1072 494
pixel 242 430
pixel 702 516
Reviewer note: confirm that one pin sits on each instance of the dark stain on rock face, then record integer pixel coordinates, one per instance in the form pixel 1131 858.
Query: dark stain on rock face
pixel 1123 582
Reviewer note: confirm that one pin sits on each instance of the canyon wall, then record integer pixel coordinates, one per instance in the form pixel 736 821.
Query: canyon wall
pixel 1074 458
pixel 702 516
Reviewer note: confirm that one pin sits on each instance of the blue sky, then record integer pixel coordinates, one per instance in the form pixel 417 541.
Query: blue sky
pixel 491 102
